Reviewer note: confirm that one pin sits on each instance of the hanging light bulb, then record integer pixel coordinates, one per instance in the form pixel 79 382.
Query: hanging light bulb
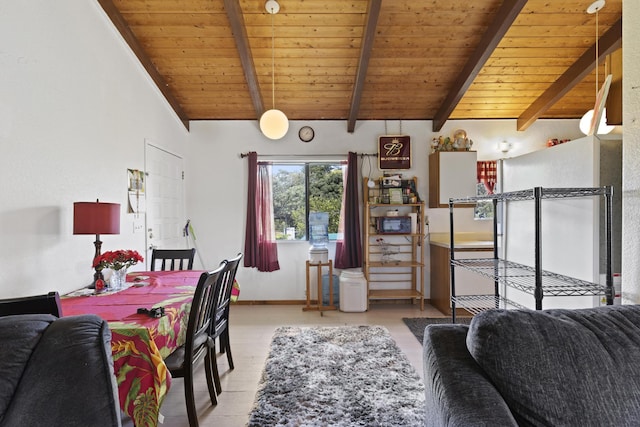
pixel 603 127
pixel 274 124
pixel 585 122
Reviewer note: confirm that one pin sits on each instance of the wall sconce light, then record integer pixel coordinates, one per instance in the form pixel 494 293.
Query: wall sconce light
pixel 504 146
pixel 96 218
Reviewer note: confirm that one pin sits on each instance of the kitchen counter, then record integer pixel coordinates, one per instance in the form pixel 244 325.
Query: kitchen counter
pixel 467 245
pixel 463 241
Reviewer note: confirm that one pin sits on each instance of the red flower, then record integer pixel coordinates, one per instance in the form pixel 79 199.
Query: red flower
pixel 116 260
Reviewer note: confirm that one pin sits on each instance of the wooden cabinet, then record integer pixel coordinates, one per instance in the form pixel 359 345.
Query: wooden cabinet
pixel 451 174
pixel 394 245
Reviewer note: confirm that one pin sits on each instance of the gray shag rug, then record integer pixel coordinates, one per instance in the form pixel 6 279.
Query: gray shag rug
pixel 337 376
pixel 417 324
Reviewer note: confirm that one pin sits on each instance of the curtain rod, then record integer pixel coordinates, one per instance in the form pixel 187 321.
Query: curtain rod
pixel 243 155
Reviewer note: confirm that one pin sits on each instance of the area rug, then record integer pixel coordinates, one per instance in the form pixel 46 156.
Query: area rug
pixel 417 324
pixel 337 376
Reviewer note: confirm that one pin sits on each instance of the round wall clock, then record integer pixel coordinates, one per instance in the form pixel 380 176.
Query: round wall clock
pixel 306 133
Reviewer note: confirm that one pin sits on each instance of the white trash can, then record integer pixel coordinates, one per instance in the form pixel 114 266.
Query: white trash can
pixel 353 291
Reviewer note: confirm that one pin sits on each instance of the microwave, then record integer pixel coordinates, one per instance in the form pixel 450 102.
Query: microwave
pixel 393 224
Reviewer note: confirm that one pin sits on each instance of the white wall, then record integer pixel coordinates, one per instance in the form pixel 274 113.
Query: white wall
pixel 75 109
pixel 216 182
pixel 631 153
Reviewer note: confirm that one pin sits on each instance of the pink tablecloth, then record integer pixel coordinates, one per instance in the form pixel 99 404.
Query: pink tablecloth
pixel 140 343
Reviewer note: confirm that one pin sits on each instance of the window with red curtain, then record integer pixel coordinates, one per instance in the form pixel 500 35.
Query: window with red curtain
pixel 349 250
pixel 488 174
pixel 260 248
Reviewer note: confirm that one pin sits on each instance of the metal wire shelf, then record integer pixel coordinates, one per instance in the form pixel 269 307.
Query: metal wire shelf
pixel 533 280
pixel 523 277
pixel 475 304
pixel 529 194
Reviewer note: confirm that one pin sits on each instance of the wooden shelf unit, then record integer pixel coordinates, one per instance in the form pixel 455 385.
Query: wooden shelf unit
pixel 393 262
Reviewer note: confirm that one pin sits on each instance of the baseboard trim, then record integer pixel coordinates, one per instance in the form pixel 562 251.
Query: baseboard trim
pixel 314 302
pixel 273 302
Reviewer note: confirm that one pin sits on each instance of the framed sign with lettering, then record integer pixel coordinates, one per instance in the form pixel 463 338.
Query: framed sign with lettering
pixel 394 152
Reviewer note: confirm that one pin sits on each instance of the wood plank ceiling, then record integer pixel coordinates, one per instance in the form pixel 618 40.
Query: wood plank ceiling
pixel 372 59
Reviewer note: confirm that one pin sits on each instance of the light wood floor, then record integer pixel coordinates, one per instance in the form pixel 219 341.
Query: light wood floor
pixel 252 328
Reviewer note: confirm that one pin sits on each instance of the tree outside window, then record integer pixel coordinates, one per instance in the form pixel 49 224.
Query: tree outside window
pixel 301 188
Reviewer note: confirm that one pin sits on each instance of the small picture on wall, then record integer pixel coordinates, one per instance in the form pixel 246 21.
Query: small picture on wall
pixel 394 152
pixel 135 191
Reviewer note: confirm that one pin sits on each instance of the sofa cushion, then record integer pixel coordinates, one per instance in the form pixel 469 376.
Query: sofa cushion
pixel 563 367
pixel 19 336
pixel 68 379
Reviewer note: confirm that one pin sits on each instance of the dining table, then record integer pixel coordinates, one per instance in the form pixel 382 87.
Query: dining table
pixel 139 341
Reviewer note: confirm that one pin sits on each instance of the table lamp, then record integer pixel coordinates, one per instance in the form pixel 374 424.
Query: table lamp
pixel 96 218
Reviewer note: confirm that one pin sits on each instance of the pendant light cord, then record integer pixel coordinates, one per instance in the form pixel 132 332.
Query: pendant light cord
pixel 597 53
pixel 273 61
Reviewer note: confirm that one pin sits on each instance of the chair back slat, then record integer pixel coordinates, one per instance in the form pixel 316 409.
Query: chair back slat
pixel 200 314
pixel 36 304
pixel 173 259
pixel 223 295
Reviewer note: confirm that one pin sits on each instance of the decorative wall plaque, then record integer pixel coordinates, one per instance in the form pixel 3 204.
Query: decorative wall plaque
pixel 394 152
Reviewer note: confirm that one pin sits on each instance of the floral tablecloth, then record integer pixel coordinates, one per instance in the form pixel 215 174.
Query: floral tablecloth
pixel 140 343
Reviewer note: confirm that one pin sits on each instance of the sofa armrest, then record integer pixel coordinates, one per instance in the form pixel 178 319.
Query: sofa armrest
pixel 457 391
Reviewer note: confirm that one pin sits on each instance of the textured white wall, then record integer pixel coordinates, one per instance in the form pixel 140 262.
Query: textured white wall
pixel 631 153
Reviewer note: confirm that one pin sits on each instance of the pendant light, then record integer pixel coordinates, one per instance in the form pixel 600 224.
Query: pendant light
pixel 585 121
pixel 273 123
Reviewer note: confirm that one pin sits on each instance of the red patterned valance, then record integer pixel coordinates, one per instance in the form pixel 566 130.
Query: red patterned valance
pixel 488 174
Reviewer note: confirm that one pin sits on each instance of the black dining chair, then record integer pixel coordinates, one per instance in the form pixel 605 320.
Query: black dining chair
pixel 219 328
pixel 35 304
pixel 173 259
pixel 182 362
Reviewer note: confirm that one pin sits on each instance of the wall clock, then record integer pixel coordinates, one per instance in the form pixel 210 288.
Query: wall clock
pixel 306 133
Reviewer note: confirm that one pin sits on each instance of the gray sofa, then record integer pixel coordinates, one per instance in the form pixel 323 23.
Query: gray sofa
pixel 57 372
pixel 535 368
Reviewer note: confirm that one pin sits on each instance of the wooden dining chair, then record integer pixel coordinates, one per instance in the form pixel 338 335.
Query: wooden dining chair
pixel 173 259
pixel 35 304
pixel 219 328
pixel 182 362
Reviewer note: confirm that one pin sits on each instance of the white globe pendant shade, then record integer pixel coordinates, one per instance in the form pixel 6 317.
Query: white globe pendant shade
pixel 603 127
pixel 274 124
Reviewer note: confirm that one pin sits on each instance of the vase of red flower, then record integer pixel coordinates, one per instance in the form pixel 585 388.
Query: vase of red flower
pixel 118 261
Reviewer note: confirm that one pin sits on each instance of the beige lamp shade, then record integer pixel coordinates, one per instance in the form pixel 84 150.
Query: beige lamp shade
pixel 274 124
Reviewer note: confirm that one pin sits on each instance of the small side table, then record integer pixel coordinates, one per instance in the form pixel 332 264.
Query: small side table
pixel 319 306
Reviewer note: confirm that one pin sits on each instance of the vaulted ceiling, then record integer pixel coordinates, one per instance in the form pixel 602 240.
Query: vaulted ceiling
pixel 372 59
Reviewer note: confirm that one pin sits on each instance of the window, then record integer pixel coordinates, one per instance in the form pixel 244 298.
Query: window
pixel 301 188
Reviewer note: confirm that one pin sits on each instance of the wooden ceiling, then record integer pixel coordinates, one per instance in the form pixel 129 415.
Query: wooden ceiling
pixel 372 59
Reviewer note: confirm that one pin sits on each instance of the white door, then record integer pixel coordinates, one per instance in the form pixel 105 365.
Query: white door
pixel 165 200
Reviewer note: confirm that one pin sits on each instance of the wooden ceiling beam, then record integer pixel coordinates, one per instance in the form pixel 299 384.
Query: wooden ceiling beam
pixel 368 36
pixel 505 16
pixel 608 43
pixel 236 20
pixel 123 28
